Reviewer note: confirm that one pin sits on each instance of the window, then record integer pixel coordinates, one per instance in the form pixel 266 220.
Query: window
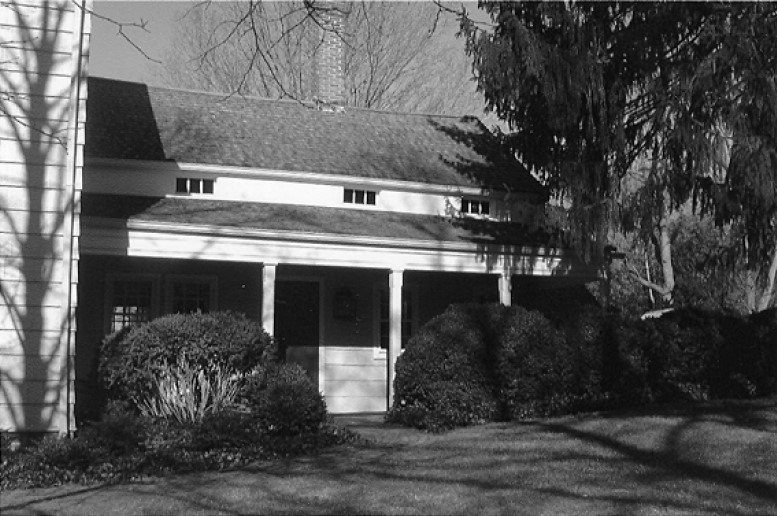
pixel 409 301
pixel 131 299
pixel 351 196
pixel 187 294
pixel 188 185
pixel 475 207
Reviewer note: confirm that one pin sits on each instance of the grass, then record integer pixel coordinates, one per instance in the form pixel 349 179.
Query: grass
pixel 715 458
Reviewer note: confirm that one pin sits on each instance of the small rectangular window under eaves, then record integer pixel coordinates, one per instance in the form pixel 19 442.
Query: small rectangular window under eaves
pixel 351 196
pixel 475 207
pixel 190 185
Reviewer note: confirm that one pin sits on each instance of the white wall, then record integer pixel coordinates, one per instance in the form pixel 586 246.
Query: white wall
pixel 309 189
pixel 42 70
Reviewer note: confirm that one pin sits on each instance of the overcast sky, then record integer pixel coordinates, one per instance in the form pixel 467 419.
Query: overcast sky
pixel 111 56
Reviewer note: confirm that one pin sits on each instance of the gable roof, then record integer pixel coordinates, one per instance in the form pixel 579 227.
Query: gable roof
pixel 128 120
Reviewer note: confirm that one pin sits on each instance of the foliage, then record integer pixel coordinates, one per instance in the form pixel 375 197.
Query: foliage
pixel 132 359
pixel 533 366
pixel 526 365
pixel 443 378
pixel 284 401
pixel 124 446
pixel 587 88
pixel 188 394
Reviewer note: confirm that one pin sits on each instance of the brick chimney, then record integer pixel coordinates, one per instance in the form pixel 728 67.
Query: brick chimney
pixel 330 55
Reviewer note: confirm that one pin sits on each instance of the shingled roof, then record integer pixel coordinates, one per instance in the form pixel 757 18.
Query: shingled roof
pixel 314 220
pixel 128 120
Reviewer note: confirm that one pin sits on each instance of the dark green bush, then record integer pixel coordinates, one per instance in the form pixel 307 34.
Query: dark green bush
pixel 444 377
pixel 132 358
pixel 284 401
pixel 118 432
pixel 535 367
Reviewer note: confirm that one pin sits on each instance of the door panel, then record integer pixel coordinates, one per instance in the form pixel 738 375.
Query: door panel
pixel 297 323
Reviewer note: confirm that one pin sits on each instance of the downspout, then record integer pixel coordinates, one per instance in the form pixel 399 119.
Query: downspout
pixel 70 207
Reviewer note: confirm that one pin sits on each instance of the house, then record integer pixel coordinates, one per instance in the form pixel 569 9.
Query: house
pixel 341 229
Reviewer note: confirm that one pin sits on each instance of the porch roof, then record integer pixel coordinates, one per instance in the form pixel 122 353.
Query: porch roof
pixel 338 222
pixel 134 121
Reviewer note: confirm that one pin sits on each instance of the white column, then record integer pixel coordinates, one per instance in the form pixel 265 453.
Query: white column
pixel 268 297
pixel 395 329
pixel 505 289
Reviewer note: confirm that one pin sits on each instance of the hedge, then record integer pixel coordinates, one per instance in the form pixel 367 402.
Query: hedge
pixel 477 363
pixel 131 359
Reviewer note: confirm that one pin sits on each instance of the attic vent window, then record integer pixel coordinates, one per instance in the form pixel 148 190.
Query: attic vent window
pixel 189 185
pixel 351 196
pixel 475 207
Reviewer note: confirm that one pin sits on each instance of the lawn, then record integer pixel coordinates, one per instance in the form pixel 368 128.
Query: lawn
pixel 715 458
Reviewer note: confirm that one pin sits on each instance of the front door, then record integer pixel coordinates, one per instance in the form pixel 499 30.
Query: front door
pixel 297 323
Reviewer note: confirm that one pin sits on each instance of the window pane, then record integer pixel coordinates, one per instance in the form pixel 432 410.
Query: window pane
pixel 484 208
pixel 370 197
pixel 348 195
pixel 359 197
pixel 131 303
pixel 190 297
pixel 464 206
pixel 194 186
pixel 181 185
pixel 207 186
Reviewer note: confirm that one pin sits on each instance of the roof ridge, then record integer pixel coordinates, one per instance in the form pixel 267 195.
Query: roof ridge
pixel 305 103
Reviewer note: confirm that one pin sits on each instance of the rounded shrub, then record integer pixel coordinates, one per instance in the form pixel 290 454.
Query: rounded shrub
pixel 535 366
pixel 132 359
pixel 284 401
pixel 443 378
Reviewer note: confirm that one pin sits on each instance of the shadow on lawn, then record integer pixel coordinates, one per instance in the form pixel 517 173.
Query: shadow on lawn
pixel 675 459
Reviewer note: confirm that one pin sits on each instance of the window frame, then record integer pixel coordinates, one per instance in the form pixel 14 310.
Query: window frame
pixel 110 281
pixel 184 185
pixel 211 281
pixel 360 196
pixel 468 203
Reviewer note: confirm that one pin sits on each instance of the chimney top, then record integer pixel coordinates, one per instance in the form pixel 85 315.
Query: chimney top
pixel 330 57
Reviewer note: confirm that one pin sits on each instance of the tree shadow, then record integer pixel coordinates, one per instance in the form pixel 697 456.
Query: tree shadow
pixel 38 213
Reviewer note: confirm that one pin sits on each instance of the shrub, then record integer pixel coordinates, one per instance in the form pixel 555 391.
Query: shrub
pixel 751 355
pixel 443 378
pixel 284 401
pixel 187 393
pixel 131 359
pixel 535 366
pixel 119 431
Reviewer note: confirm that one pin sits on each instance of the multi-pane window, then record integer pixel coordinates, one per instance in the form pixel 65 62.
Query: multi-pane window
pixel 351 196
pixel 191 294
pixel 475 207
pixel 132 301
pixel 408 319
pixel 190 185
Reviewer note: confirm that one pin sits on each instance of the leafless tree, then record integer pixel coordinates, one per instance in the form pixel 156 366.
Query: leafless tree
pixel 398 55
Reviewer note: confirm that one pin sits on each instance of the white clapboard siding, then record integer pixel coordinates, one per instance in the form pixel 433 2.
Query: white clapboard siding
pixel 353 404
pixel 39 180
pixel 33 14
pixel 38 107
pixel 46 342
pixel 35 368
pixel 354 380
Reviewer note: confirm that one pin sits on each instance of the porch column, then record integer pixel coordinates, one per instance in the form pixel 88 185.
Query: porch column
pixel 505 289
pixel 395 329
pixel 268 297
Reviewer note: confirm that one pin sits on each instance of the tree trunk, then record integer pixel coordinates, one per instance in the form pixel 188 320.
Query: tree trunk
pixel 665 252
pixel 768 288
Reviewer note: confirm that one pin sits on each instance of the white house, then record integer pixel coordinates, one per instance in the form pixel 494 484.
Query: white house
pixel 340 229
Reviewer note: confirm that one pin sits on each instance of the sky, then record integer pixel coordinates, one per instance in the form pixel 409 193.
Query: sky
pixel 112 56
